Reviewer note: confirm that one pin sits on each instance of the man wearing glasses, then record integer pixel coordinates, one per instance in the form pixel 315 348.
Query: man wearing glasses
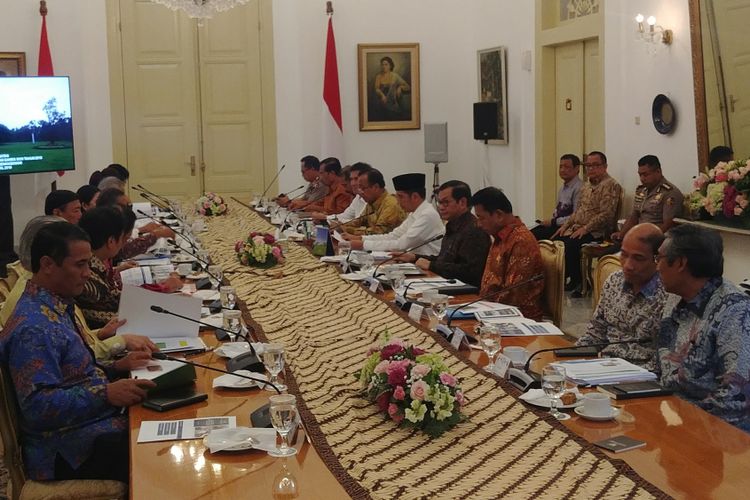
pixel 594 218
pixel 632 300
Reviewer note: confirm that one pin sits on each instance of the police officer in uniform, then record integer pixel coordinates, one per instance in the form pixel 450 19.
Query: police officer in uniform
pixel 657 200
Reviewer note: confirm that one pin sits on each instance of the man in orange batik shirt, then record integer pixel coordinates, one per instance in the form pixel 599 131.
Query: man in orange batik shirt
pixel 514 255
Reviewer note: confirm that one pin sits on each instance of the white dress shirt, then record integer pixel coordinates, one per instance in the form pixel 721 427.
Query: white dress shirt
pixel 419 226
pixel 354 210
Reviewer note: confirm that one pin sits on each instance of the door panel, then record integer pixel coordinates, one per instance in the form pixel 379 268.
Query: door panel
pixel 159 74
pixel 593 96
pixel 231 102
pixel 569 102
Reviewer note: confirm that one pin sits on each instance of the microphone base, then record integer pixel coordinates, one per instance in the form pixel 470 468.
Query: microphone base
pixel 523 381
pixel 246 361
pixel 261 417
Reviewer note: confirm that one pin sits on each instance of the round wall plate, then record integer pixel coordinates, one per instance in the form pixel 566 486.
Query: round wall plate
pixel 663 114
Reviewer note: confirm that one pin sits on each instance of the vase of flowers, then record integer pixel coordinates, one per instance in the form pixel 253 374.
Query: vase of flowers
pixel 259 250
pixel 211 204
pixel 723 193
pixel 411 387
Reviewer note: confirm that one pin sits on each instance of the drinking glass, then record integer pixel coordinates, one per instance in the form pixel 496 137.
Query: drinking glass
pixel 255 199
pixel 231 321
pixel 283 418
pixel 553 384
pixel 214 275
pixel 345 247
pixel 439 304
pixel 366 263
pixel 396 278
pixel 273 360
pixel 490 340
pixel 228 296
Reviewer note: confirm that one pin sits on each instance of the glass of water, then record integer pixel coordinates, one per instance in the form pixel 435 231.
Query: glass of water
pixel 214 275
pixel 228 297
pixel 439 304
pixel 345 247
pixel 273 360
pixel 489 339
pixel 283 418
pixel 231 322
pixel 553 384
pixel 366 263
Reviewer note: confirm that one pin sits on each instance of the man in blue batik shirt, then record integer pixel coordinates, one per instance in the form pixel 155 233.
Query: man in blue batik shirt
pixel 567 197
pixel 72 426
pixel 703 350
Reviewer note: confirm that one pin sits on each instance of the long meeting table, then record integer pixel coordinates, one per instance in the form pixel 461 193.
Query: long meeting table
pixel 689 453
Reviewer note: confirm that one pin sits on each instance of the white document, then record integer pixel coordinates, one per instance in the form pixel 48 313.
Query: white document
pixel 497 314
pixel 192 428
pixel 178 344
pixel 422 284
pixel 136 276
pixel 150 260
pixel 523 327
pixel 337 236
pixel 604 371
pixel 135 306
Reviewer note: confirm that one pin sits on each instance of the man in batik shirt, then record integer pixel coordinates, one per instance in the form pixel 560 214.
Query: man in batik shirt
pixel 703 350
pixel 514 255
pixel 632 301
pixel 72 426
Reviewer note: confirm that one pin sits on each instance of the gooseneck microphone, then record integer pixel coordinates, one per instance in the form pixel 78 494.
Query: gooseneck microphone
pixel 162 223
pixel 155 195
pixel 392 258
pixel 272 180
pixel 152 200
pixel 246 361
pixel 524 379
pixel 534 278
pixel 435 282
pixel 161 355
pixel 290 192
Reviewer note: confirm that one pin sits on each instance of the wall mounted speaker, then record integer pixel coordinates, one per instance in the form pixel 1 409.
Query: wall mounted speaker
pixel 435 142
pixel 485 121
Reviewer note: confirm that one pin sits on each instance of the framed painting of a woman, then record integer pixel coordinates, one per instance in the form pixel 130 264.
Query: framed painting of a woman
pixel 388 86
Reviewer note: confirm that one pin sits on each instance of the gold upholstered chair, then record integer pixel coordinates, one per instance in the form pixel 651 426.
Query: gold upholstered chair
pixel 21 489
pixel 604 268
pixel 14 270
pixel 553 261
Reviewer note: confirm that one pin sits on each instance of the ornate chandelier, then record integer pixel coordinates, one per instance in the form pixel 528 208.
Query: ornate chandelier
pixel 201 9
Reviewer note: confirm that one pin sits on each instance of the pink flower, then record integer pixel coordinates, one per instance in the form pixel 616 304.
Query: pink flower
pixel 396 374
pixel 417 351
pixel 721 176
pixel 420 370
pixel 268 238
pixel 700 182
pixel 237 246
pixel 399 393
pixel 276 251
pixel 206 204
pixel 258 240
pixel 398 418
pixel 382 367
pixel 742 201
pixel 737 211
pixel 419 390
pixel 392 410
pixel 734 175
pixel 448 379
pixel 460 398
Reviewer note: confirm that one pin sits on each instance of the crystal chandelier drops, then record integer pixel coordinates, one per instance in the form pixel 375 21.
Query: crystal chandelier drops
pixel 201 9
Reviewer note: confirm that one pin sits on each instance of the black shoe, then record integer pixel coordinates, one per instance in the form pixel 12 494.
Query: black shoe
pixel 572 285
pixel 576 294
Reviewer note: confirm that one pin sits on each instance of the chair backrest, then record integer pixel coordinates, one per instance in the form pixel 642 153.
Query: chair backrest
pixel 4 290
pixel 604 268
pixel 14 270
pixel 9 431
pixel 553 261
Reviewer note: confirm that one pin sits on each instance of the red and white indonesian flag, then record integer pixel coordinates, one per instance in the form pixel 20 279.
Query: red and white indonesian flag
pixel 42 181
pixel 332 130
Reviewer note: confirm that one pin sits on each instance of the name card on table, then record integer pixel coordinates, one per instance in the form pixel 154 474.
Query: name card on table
pixel 457 338
pixel 502 363
pixel 415 312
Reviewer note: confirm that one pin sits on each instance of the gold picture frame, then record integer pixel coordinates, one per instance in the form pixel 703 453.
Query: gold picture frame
pixel 388 86
pixel 12 63
pixel 493 86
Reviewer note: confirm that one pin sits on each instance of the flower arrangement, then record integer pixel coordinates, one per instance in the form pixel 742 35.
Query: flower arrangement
pixel 211 204
pixel 723 191
pixel 259 250
pixel 411 387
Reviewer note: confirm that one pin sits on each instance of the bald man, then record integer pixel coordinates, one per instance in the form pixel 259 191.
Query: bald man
pixel 632 300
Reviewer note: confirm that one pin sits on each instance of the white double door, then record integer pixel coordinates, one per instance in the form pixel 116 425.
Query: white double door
pixel 196 106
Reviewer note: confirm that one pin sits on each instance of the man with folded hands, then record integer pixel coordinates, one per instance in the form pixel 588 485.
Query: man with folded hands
pixel 72 426
pixel 382 213
pixel 632 301
pixel 463 251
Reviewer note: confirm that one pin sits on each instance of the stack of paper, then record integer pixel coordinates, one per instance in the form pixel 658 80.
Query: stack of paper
pixel 498 314
pixel 523 327
pixel 468 311
pixel 604 371
pixel 419 285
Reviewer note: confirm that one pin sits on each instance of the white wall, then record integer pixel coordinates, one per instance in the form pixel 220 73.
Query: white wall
pixel 449 34
pixel 633 77
pixel 78 42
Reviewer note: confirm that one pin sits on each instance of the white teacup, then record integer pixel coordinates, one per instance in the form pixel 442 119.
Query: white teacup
pixel 517 354
pixel 596 404
pixel 185 269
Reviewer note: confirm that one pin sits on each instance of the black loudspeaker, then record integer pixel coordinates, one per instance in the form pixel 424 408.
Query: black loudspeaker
pixel 485 121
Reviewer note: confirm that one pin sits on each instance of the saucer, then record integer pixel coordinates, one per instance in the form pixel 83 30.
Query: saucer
pixel 614 413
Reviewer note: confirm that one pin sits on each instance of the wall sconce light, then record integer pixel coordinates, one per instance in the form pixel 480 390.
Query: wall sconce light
pixel 654 32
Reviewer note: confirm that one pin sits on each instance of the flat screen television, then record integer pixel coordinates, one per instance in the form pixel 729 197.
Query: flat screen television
pixel 36 127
